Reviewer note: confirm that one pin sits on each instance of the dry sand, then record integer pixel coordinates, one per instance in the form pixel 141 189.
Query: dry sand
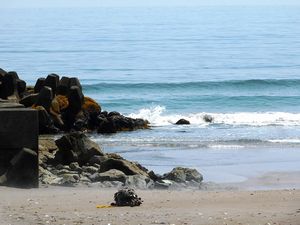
pixel 58 205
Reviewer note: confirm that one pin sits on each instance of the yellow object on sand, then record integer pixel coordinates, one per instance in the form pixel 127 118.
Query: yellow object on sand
pixel 103 206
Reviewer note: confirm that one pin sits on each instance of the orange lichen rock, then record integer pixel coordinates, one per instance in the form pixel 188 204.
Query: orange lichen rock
pixel 90 105
pixel 62 101
pixel 37 107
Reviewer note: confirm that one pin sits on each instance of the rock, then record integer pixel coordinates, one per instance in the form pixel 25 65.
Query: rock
pixel 208 118
pixel 181 175
pixel 52 81
pixel 90 169
pixel 69 179
pixel 110 175
pixel 97 159
pixel 29 100
pixel 115 122
pixel 45 98
pixel 46 125
pixel 40 83
pixel 75 99
pixel 9 85
pixel 139 181
pixel 21 87
pixel 114 113
pixel 127 167
pixel 153 176
pixel 75 82
pixel 91 106
pixel 2 72
pixel 24 170
pixel 63 86
pixel 163 184
pixel 183 122
pixel 76 147
pixel 74 166
pixel 63 102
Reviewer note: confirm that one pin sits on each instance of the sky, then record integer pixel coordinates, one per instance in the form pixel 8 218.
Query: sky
pixel 133 3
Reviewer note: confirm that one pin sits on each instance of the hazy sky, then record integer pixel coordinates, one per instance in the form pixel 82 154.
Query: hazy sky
pixel 96 3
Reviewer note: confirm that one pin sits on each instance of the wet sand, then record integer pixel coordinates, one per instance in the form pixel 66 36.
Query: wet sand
pixel 62 205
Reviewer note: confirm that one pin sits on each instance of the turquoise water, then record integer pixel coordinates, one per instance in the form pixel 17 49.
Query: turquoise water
pixel 241 65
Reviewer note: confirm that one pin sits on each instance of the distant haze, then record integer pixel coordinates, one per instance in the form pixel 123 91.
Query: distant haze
pixel 138 3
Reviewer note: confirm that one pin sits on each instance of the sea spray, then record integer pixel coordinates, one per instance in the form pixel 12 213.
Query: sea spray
pixel 158 116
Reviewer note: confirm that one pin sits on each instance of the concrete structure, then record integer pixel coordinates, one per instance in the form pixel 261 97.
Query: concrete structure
pixel 18 146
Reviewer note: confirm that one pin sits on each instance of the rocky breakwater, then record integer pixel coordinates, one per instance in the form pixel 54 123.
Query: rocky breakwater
pixel 74 159
pixel 62 106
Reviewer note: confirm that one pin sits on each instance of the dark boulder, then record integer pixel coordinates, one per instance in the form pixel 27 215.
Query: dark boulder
pixel 8 85
pixel 76 147
pixel 21 87
pixel 46 125
pixel 63 86
pixel 2 72
pixel 110 175
pixel 39 84
pixel 208 118
pixel 24 171
pixel 183 122
pixel 29 100
pixel 45 98
pixel 117 122
pixel 75 82
pixel 75 99
pixel 181 175
pixel 52 81
pixel 127 167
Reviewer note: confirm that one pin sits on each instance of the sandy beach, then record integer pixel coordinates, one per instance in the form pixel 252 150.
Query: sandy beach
pixel 58 205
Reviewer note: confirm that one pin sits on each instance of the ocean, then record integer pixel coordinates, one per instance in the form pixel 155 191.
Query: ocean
pixel 240 65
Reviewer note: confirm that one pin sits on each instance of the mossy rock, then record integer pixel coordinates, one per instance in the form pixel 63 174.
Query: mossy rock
pixel 90 105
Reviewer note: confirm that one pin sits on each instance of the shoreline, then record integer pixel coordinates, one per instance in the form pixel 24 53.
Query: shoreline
pixel 61 205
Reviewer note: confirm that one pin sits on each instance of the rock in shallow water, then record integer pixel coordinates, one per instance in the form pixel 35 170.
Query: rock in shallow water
pixel 183 122
pixel 181 175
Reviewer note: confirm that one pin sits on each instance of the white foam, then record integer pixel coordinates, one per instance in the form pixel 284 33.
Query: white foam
pixel 158 116
pixel 292 141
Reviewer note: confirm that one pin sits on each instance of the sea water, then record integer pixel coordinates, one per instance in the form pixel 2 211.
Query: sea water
pixel 240 65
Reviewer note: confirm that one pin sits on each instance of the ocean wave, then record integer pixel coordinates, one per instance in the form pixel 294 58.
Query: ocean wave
pixel 158 116
pixel 233 84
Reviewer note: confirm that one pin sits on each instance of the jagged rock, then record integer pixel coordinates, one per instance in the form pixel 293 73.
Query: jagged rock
pixel 208 118
pixel 63 86
pixel 52 81
pixel 24 169
pixel 110 175
pixel 139 181
pixel 90 105
pixel 2 72
pixel 90 169
pixel 46 125
pixel 21 87
pixel 9 85
pixel 29 100
pixel 181 175
pixel 45 98
pixel 75 82
pixel 183 122
pixel 114 123
pixel 153 176
pixel 163 184
pixel 40 83
pixel 76 147
pixel 74 166
pixel 127 167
